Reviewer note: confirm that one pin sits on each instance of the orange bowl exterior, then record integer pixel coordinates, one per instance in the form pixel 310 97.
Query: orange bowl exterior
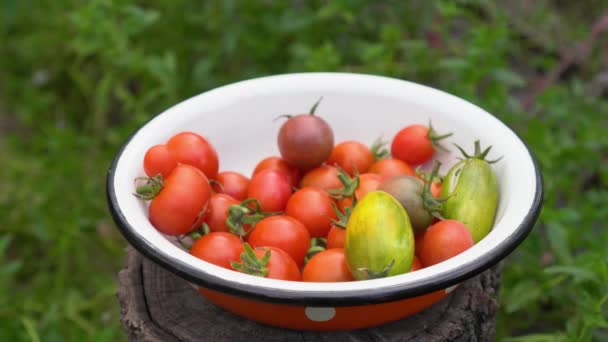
pixel 326 318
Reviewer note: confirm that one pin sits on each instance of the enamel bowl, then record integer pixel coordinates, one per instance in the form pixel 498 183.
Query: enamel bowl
pixel 238 120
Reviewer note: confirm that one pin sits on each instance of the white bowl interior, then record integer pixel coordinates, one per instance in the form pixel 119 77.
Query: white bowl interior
pixel 238 120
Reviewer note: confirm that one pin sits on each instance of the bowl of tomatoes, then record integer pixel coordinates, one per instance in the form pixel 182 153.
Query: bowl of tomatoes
pixel 324 201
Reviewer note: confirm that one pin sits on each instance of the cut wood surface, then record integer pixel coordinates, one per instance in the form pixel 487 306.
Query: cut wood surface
pixel 156 305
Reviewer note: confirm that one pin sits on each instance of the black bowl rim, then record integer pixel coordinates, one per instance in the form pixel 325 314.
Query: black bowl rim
pixel 330 298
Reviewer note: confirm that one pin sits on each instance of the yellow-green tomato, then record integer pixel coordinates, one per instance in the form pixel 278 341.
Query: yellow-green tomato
pixel 379 239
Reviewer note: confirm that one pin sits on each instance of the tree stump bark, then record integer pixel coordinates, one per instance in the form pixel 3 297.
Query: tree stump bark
pixel 156 305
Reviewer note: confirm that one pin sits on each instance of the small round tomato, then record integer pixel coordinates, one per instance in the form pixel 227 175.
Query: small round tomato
pixel 158 160
pixel 280 164
pixel 335 237
pixel 415 144
pixel 232 183
pixel 416 265
pixel 217 212
pixel 323 177
pixel 444 240
pixel 218 248
pixel 314 208
pixel 410 192
pixel 279 265
pixel 305 140
pixel 192 149
pixel 181 204
pixel 391 167
pixel 367 182
pixel 327 266
pixel 284 232
pixel 351 156
pixel 271 188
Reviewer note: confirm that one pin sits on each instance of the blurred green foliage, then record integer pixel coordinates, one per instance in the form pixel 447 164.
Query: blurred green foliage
pixel 77 77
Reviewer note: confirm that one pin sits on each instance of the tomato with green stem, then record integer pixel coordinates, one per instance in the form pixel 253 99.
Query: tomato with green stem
pixel 324 177
pixel 268 262
pixel 179 202
pixel 193 149
pixel 327 266
pixel 284 232
pixel 218 212
pixel 367 182
pixel 337 233
pixel 231 183
pixel 416 144
pixel 313 208
pixel 218 248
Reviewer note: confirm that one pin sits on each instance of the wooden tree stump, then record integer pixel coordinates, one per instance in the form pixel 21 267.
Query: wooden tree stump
pixel 156 305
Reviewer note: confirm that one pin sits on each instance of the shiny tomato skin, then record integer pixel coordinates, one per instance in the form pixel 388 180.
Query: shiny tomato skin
pixel 217 212
pixel 313 208
pixel 218 248
pixel 416 265
pixel 351 156
pixel 335 237
pixel 159 160
pixel 391 167
pixel 193 149
pixel 367 182
pixel 284 232
pixel 233 184
pixel 323 177
pixel 305 141
pixel 182 203
pixel 281 265
pixel 327 266
pixel 277 163
pixel 444 240
pixel 271 188
pixel 413 145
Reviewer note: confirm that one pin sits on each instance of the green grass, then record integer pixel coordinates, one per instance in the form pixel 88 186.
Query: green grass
pixel 76 78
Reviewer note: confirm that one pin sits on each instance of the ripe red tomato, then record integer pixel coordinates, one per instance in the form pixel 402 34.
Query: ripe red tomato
pixel 181 204
pixel 335 237
pixel 391 167
pixel 312 207
pixel 284 232
pixel 158 160
pixel 350 156
pixel 305 140
pixel 367 182
pixel 278 163
pixel 323 177
pixel 415 144
pixel 233 184
pixel 217 212
pixel 444 240
pixel 192 149
pixel 271 188
pixel 218 248
pixel 327 266
pixel 280 265
pixel 416 265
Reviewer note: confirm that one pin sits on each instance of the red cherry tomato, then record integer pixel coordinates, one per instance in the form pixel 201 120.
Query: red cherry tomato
pixel 271 188
pixel 192 149
pixel 233 184
pixel 367 182
pixel 350 156
pixel 158 160
pixel 335 237
pixel 444 240
pixel 416 265
pixel 181 204
pixel 323 177
pixel 391 167
pixel 312 207
pixel 327 266
pixel 283 232
pixel 217 212
pixel 414 144
pixel 218 248
pixel 281 265
pixel 278 163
